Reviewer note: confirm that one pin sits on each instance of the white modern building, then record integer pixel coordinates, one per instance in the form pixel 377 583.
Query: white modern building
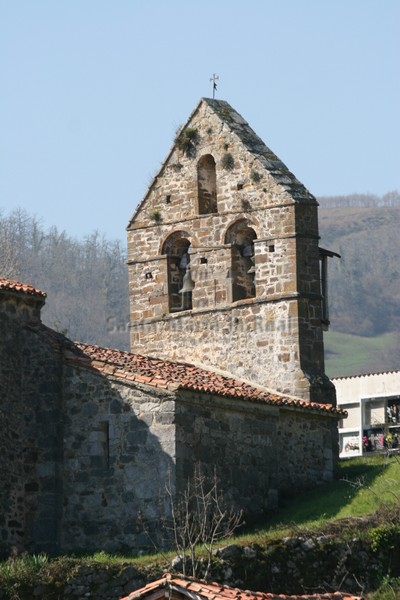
pixel 372 402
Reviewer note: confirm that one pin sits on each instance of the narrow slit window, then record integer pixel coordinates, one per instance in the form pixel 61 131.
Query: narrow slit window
pixel 207 185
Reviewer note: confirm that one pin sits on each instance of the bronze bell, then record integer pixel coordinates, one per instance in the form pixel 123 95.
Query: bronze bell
pixel 188 283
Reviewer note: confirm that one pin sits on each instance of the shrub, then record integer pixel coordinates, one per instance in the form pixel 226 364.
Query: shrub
pixel 385 538
pixel 187 139
pixel 155 215
pixel 227 161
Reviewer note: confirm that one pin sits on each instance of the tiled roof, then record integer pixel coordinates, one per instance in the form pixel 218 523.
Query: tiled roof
pixel 366 374
pixel 23 288
pixel 177 375
pixel 215 591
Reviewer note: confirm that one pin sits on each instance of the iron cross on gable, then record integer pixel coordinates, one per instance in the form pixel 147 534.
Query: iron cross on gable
pixel 214 80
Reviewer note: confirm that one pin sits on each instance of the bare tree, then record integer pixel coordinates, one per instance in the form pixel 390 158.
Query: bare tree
pixel 14 231
pixel 200 519
pixel 86 280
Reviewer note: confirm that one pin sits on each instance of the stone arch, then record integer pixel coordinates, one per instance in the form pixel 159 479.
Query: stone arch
pixel 241 235
pixel 207 185
pixel 177 248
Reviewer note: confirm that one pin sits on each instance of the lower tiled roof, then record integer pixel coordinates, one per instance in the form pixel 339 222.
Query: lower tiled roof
pixel 23 288
pixel 171 375
pixel 215 591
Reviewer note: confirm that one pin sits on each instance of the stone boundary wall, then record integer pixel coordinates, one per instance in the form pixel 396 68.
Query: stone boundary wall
pixel 298 565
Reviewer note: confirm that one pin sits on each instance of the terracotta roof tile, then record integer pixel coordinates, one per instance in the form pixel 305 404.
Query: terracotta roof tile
pixel 166 374
pixel 16 286
pixel 216 591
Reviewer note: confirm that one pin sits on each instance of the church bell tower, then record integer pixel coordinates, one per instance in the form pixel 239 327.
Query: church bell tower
pixel 224 263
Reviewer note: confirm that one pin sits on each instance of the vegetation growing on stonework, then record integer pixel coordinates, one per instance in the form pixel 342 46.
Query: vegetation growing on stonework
pixel 225 113
pixel 155 215
pixel 187 139
pixel 227 161
pixel 255 176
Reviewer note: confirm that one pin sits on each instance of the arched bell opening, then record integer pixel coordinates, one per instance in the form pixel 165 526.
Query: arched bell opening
pixel 241 237
pixel 207 185
pixel 180 283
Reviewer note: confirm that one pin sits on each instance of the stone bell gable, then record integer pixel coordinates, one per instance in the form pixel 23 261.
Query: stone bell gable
pixel 224 261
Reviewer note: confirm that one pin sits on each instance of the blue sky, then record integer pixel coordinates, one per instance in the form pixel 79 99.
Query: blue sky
pixel 92 91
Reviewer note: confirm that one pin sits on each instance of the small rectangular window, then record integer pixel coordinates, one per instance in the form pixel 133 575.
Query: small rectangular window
pixel 104 429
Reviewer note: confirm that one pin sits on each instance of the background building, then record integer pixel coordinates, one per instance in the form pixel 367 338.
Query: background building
pixel 372 402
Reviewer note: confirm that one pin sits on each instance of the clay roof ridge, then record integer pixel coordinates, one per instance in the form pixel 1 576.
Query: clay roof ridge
pixel 172 375
pixel 222 375
pixel 12 285
pixel 213 590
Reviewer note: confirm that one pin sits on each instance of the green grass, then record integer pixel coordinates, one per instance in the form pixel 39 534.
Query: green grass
pixel 347 354
pixel 363 486
pixel 389 590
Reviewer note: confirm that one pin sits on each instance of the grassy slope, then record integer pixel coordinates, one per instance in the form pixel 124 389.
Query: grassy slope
pixel 363 485
pixel 347 354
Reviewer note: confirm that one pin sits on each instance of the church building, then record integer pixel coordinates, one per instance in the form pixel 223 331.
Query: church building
pixel 226 369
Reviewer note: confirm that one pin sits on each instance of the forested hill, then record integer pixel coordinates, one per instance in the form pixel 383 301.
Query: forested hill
pixel 364 285
pixel 86 280
pixel 87 283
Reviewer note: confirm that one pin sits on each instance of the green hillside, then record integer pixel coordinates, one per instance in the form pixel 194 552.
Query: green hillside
pixel 347 354
pixel 364 288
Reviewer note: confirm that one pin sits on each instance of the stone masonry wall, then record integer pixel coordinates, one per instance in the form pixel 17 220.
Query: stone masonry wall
pixel 119 448
pixel 236 439
pixel 221 337
pixel 258 451
pixel 29 429
pixel 308 450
